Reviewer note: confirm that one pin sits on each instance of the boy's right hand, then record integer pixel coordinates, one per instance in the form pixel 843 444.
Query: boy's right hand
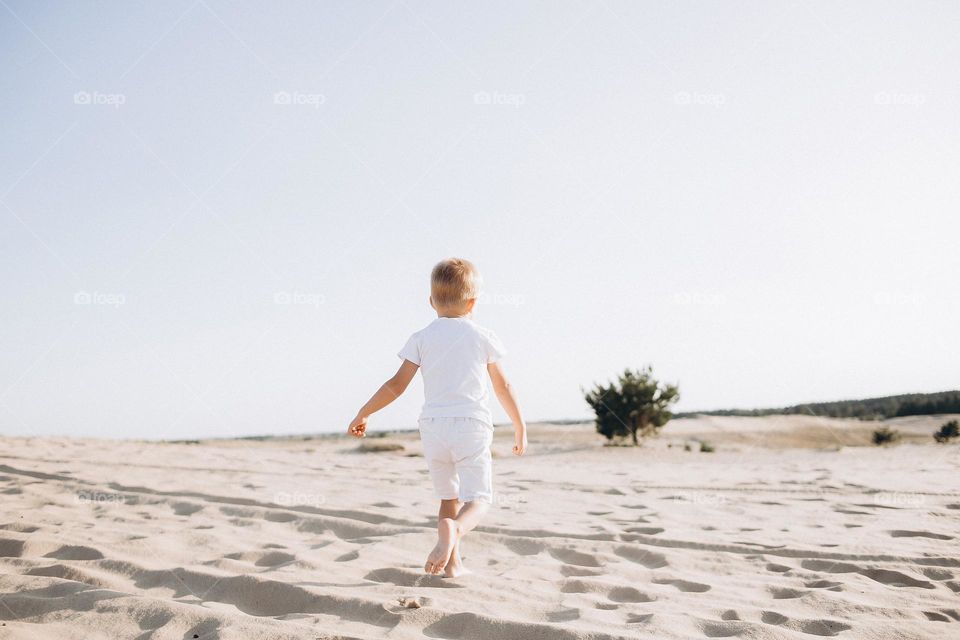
pixel 519 444
pixel 358 428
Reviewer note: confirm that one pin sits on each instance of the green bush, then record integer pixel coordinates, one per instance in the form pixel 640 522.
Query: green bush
pixel 636 405
pixel 948 431
pixel 885 435
pixel 706 447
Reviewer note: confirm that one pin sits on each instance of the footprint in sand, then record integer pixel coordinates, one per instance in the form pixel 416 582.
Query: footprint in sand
pixel 785 594
pixel 824 584
pixel 684 585
pixel 274 558
pixel 409 578
pixel 571 556
pixel 772 617
pixel 620 594
pixel 944 615
pixel 186 508
pixel 569 570
pixel 937 574
pixel 883 576
pixel 647 531
pixel 822 627
pixel 901 533
pixel 724 629
pixel 645 557
pixel 74 552
pixel 811 627
pixel 262 559
pixel 639 618
pixel 628 594
pixel 524 546
pixel 563 615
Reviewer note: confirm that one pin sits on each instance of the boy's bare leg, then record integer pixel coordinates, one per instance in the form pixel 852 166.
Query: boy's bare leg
pixel 454 567
pixel 449 532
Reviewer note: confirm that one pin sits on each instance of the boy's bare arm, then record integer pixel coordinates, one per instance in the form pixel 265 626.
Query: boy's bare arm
pixel 387 393
pixel 508 400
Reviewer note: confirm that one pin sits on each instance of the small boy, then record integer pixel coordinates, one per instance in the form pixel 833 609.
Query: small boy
pixel 455 356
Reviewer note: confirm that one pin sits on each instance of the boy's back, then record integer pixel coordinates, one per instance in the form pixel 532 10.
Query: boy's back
pixel 453 354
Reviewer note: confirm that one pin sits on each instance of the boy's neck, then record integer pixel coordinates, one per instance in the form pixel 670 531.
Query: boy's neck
pixel 464 310
pixel 459 312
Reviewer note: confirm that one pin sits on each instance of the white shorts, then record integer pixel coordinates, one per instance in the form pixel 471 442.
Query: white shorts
pixel 457 451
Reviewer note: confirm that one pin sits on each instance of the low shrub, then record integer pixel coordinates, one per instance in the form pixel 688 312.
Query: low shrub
pixel 885 435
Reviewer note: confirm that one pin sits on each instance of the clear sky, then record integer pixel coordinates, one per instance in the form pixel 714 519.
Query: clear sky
pixel 218 218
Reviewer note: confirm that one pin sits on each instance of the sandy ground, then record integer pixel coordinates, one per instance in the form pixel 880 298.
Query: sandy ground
pixel 787 530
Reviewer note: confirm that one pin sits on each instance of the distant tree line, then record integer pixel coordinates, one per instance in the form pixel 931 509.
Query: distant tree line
pixel 910 404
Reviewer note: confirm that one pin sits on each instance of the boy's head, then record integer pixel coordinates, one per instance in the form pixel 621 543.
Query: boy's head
pixel 454 286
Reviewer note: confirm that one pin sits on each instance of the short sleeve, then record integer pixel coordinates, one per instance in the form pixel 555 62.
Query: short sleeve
pixel 411 350
pixel 495 349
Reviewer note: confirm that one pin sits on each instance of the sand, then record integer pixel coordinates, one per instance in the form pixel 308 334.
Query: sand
pixel 787 530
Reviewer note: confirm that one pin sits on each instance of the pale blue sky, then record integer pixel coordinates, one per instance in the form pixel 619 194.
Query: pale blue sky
pixel 219 218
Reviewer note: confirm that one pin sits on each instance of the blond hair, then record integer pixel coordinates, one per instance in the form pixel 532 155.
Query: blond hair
pixel 454 281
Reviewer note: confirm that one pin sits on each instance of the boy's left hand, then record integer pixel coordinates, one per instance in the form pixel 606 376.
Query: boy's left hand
pixel 358 428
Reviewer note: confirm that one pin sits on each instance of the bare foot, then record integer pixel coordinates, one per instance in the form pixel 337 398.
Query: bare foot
pixel 455 566
pixel 446 539
pixel 455 571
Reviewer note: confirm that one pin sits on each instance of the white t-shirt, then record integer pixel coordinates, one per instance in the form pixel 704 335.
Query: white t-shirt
pixel 452 354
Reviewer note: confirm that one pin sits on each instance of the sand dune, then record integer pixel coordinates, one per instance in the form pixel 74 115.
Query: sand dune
pixel 295 538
